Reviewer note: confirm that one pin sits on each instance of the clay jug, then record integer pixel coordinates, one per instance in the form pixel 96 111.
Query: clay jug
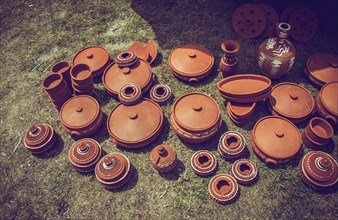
pixel 228 64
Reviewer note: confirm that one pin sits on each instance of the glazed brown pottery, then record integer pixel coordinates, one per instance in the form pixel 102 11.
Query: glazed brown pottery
pixel 244 171
pixel 118 74
pixel 203 163
pixel 130 94
pixel 96 57
pixel 291 101
pixel 113 170
pixel 63 68
pixel 231 145
pixel 191 62
pixel 40 138
pixel 84 154
pixel 163 158
pixel 81 116
pixel 272 19
pixel 137 125
pixel 275 140
pixel 195 117
pixel 146 52
pixel 223 188
pixel 228 64
pixel 160 93
pixel 82 79
pixel 276 55
pixel 318 170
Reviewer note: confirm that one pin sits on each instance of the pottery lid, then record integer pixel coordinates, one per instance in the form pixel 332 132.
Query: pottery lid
pixel 135 123
pixel 323 67
pixel 84 152
pixel 112 167
pixel 291 100
pixel 276 137
pixel 196 111
pixel 79 111
pixel 162 155
pixel 328 97
pixel 140 50
pixel 96 57
pixel 37 134
pixel 191 60
pixel 203 163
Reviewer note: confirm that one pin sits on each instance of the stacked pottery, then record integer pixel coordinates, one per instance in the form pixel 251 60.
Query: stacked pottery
pixel 228 64
pixel 203 163
pixel 63 68
pixel 82 79
pixel 40 138
pixel 240 113
pixel 57 89
pixel 223 188
pixel 317 133
pixel 163 158
pixel 231 145
pixel 146 52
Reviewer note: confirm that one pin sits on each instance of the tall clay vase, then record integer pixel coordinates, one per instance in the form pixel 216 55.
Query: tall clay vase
pixel 276 55
pixel 228 64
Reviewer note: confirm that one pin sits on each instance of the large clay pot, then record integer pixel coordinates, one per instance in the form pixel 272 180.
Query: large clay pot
pixel 276 55
pixel 228 64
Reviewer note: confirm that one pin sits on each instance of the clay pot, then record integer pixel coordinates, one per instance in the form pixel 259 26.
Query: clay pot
pixel 223 188
pixel 63 68
pixel 146 52
pixel 191 62
pixel 82 79
pixel 40 138
pixel 130 94
pixel 58 103
pixel 195 117
pixel 163 158
pixel 116 76
pixel 291 101
pixel 228 64
pixel 231 145
pixel 203 163
pixel 318 170
pixel 272 19
pixel 81 116
pixel 240 113
pixel 245 171
pixel 96 57
pixel 275 140
pixel 276 55
pixel 113 170
pixel 89 91
pixel 160 93
pixel 136 125
pixel 84 154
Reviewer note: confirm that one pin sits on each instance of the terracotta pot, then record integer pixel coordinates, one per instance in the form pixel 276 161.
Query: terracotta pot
pixel 84 154
pixel 81 74
pixel 161 93
pixel 245 171
pixel 137 125
pixel 223 188
pixel 237 121
pixel 191 62
pixel 89 91
pixel 228 64
pixel 55 86
pixel 203 163
pixel 59 102
pixel 276 55
pixel 318 170
pixel 40 138
pixel 311 143
pixel 82 88
pixel 81 116
pixel 319 130
pixel 195 117
pixel 163 158
pixel 231 145
pixel 63 68
pixel 130 94
pixel 240 113
pixel 113 170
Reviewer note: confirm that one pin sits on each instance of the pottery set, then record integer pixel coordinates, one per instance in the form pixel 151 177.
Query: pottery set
pixel 146 52
pixel 203 163
pixel 63 68
pixel 130 94
pixel 240 113
pixel 82 79
pixel 231 145
pixel 228 64
pixel 40 138
pixel 163 158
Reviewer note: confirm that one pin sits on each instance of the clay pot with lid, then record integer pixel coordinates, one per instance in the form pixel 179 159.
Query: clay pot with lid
pixel 135 126
pixel 318 170
pixel 127 68
pixel 161 93
pixel 195 117
pixel 40 138
pixel 275 140
pixel 163 158
pixel 81 116
pixel 223 188
pixel 231 145
pixel 113 170
pixel 276 55
pixel 228 64
pixel 63 68
pixel 191 62
pixel 245 171
pixel 203 163
pixel 82 79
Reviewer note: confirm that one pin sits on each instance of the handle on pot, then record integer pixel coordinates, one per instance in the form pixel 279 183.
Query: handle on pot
pixel 75 134
pixel 270 161
pixel 193 80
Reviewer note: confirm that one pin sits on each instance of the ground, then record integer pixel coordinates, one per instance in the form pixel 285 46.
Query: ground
pixel 37 34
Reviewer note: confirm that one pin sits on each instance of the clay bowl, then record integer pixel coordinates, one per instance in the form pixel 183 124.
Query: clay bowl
pixel 59 102
pixel 319 130
pixel 311 143
pixel 63 68
pixel 84 87
pixel 62 95
pixel 81 74
pixel 241 110
pixel 247 100
pixel 40 138
pixel 237 121
pixel 89 91
pixel 54 84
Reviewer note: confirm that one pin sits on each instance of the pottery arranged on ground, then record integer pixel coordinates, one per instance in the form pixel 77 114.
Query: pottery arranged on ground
pixel 130 94
pixel 146 52
pixel 63 68
pixel 40 138
pixel 231 145
pixel 82 79
pixel 163 158
pixel 244 171
pixel 223 188
pixel 228 64
pixel 203 163
pixel 240 113
pixel 161 93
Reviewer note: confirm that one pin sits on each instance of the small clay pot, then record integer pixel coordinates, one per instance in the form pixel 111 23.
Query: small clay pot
pixel 223 188
pixel 81 74
pixel 59 102
pixel 130 94
pixel 55 86
pixel 311 143
pixel 204 163
pixel 163 158
pixel 88 91
pixel 63 68
pixel 161 93
pixel 245 171
pixel 231 145
pixel 319 130
pixel 40 138
pixel 228 64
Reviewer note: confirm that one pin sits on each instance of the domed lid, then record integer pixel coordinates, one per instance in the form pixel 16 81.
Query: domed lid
pixel 328 97
pixel 276 137
pixel 37 134
pixel 84 152
pixel 79 111
pixel 112 167
pixel 223 188
pixel 291 100
pixel 191 60
pixel 135 123
pixel 323 67
pixel 96 57
pixel 203 163
pixel 162 156
pixel 196 111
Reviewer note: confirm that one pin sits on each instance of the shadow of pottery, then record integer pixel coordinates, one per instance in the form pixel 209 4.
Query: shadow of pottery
pixel 130 184
pixel 175 173
pixel 102 96
pixel 157 61
pixel 55 150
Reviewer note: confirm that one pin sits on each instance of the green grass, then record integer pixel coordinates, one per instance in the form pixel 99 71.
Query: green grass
pixel 35 35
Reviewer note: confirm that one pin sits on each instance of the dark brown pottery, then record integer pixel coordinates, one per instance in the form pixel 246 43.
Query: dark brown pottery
pixel 161 93
pixel 289 10
pixel 231 145
pixel 272 19
pixel 228 64
pixel 63 68
pixel 40 138
pixel 130 94
pixel 203 163
pixel 163 158
pixel 223 188
pixel 245 171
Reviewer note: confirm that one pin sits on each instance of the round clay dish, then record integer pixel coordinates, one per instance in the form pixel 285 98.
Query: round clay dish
pixel 272 19
pixel 203 163
pixel 244 171
pixel 231 145
pixel 223 188
pixel 163 158
pixel 328 97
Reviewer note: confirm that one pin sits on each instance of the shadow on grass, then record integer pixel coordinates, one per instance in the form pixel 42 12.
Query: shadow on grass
pixel 101 96
pixel 131 183
pixel 175 173
pixel 54 151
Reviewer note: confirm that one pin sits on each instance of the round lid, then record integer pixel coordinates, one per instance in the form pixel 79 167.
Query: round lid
pixel 272 19
pixel 323 67
pixel 276 137
pixel 135 123
pixel 37 134
pixel 244 171
pixel 140 50
pixel 223 188
pixel 191 60
pixel 96 57
pixel 249 20
pixel 231 143
pixel 304 23
pixel 203 162
pixel 84 152
pixel 79 111
pixel 289 10
pixel 291 100
pixel 162 156
pixel 196 111
pixel 112 167
pixel 328 97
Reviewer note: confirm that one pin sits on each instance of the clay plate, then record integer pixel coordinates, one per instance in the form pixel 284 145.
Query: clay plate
pixel 272 20
pixel 304 23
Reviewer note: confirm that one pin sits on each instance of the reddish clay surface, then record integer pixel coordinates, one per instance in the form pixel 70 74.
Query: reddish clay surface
pixel 242 110
pixel 140 50
pixel 40 138
pixel 327 105
pixel 203 163
pixel 272 20
pixel 163 158
pixel 160 93
pixel 130 94
pixel 245 171
pixel 63 68
pixel 231 145
pixel 153 50
pixel 223 188
pixel 228 64
pixel 82 79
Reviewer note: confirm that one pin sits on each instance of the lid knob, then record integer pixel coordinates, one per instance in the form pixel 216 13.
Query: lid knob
pixel 34 129
pixel 197 108
pixel 132 115
pixel 126 70
pixel 248 22
pixel 83 148
pixel 162 151
pixel 89 55
pixel 334 65
pixel 192 55
pixel 109 162
pixel 78 109
pixel 279 133
pixel 324 163
pixel 293 96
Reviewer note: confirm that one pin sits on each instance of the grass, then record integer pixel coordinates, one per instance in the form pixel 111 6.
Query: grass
pixel 37 34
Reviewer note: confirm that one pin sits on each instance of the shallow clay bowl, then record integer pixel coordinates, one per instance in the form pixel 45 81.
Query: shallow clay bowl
pixel 242 110
pixel 319 130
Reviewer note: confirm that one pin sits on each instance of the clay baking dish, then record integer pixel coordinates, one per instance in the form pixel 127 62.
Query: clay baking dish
pixel 40 138
pixel 136 125
pixel 163 158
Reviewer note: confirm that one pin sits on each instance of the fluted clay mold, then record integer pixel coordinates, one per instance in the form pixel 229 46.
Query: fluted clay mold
pixel 161 93
pixel 203 163
pixel 245 171
pixel 228 64
pixel 223 188
pixel 40 138
pixel 231 145
pixel 163 158
pixel 130 94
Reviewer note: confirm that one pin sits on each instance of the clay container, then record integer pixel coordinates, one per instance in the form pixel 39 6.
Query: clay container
pixel 195 117
pixel 40 138
pixel 153 50
pixel 146 52
pixel 245 171
pixel 276 56
pixel 240 113
pixel 272 19
pixel 82 79
pixel 63 68
pixel 223 188
pixel 130 94
pixel 228 64
pixel 203 163
pixel 318 170
pixel 163 158
pixel 84 154
pixel 161 93
pixel 231 145
pixel 113 170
